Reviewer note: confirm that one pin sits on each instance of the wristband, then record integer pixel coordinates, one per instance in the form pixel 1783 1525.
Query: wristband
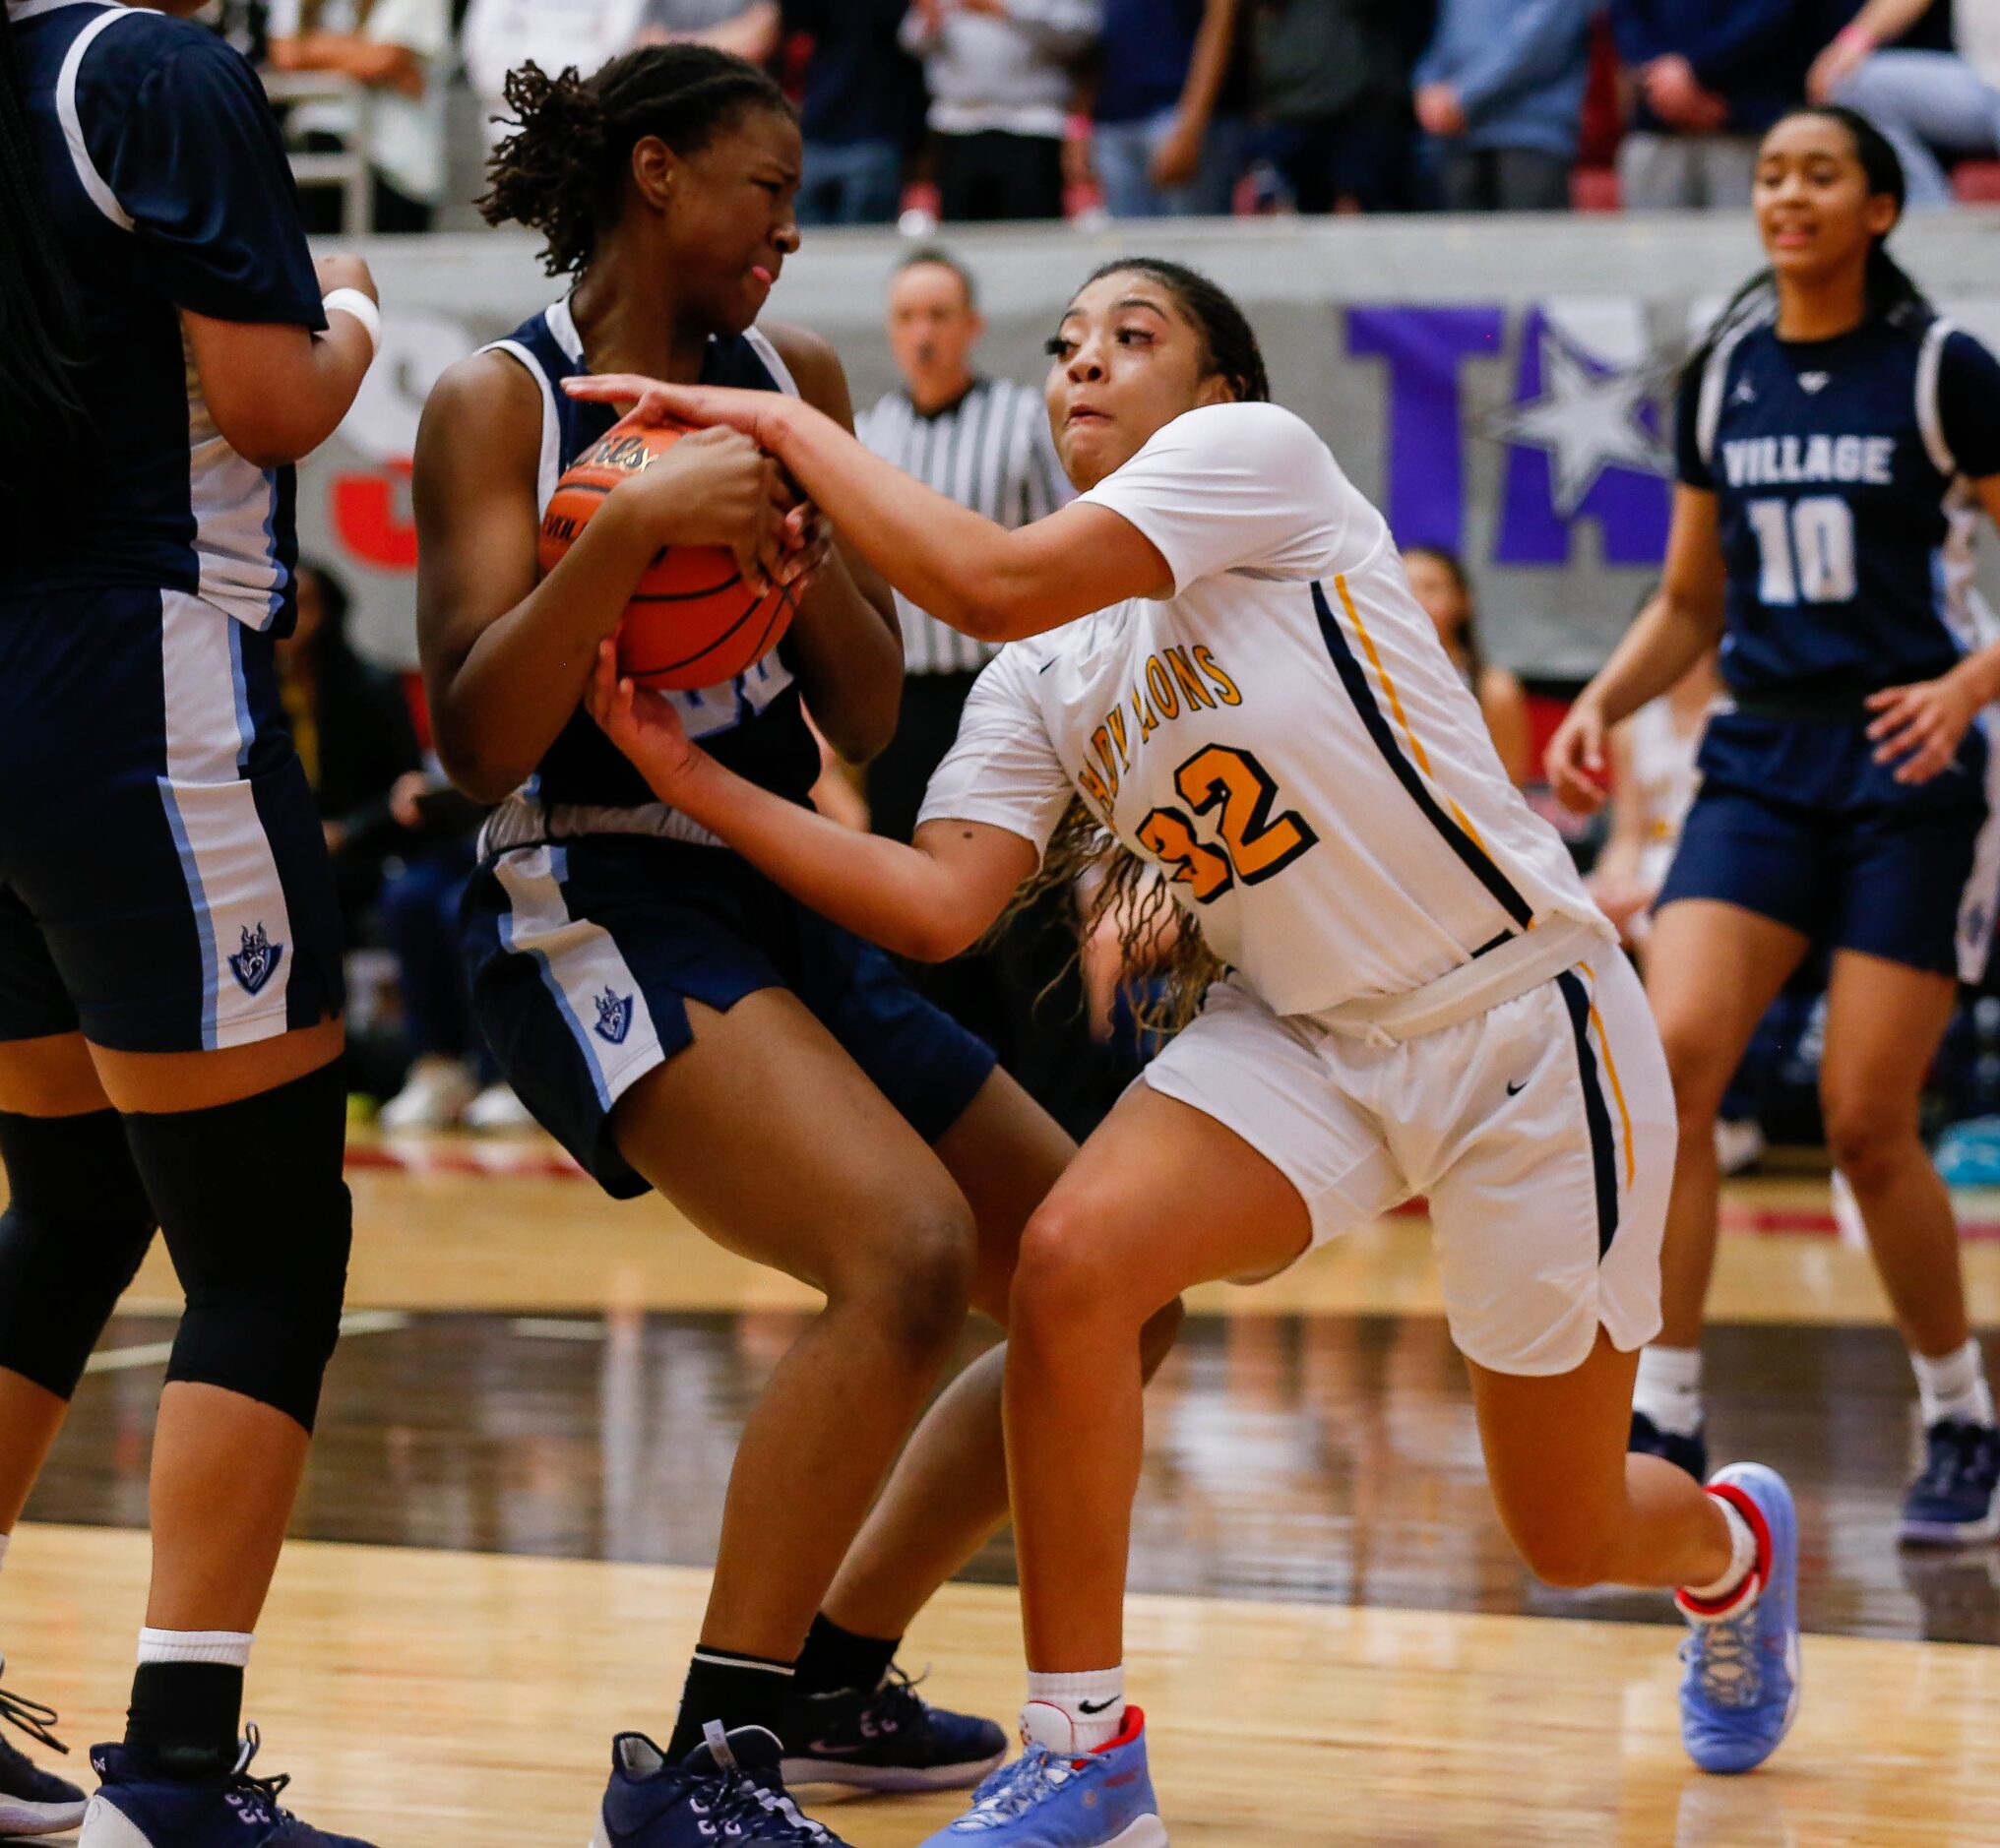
pixel 351 301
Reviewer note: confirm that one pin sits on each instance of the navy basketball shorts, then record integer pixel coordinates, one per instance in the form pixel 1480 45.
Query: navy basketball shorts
pixel 584 956
pixel 163 877
pixel 1797 823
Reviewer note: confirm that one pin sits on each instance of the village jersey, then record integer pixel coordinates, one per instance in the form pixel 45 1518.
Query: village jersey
pixel 1840 470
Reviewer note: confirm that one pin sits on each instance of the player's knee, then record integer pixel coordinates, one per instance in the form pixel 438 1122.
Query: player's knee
pixel 259 1222
pixel 1157 1338
pixel 918 1280
pixel 77 1224
pixel 1067 1275
pixel 1700 1074
pixel 1867 1142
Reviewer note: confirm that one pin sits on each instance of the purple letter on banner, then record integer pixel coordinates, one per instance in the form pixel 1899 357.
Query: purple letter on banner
pixel 1424 476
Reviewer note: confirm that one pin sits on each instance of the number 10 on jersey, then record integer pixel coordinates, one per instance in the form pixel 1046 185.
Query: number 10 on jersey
pixel 1807 547
pixel 1254 844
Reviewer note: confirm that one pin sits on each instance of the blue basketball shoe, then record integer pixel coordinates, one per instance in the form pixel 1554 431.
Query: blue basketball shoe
pixel 1046 1798
pixel 33 1802
pixel 886 1738
pixel 1953 1503
pixel 727 1789
pixel 1740 1693
pixel 136 1807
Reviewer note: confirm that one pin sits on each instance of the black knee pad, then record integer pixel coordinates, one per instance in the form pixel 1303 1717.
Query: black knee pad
pixel 257 1223
pixel 76 1226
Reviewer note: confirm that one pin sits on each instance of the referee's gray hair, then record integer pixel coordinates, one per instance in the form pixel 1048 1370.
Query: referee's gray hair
pixel 938 257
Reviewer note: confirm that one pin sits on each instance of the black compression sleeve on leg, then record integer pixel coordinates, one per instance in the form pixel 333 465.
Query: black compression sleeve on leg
pixel 77 1224
pixel 259 1223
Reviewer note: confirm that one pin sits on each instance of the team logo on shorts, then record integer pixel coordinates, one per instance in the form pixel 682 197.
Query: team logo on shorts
pixel 615 1017
pixel 257 962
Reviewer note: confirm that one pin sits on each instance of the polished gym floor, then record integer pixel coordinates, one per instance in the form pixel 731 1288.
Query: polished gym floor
pixel 528 1432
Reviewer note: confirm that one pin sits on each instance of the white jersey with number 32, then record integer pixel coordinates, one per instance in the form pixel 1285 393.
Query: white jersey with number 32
pixel 1284 734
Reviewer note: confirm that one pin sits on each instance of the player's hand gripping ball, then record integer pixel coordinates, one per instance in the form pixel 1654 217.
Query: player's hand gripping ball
pixel 692 622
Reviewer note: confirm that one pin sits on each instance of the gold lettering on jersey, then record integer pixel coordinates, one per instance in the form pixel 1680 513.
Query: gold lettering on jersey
pixel 1159 683
pixel 1143 713
pixel 1115 718
pixel 1190 681
pixel 1226 689
pixel 1100 742
pixel 1093 785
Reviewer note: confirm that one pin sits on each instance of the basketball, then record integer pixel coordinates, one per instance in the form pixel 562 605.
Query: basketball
pixel 692 622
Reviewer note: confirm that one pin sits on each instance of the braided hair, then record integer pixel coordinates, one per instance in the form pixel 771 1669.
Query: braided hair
pixel 562 172
pixel 42 343
pixel 1893 296
pixel 1168 963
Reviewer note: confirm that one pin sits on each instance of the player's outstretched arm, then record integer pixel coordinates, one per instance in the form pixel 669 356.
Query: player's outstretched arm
pixel 931 901
pixel 1671 634
pixel 964 569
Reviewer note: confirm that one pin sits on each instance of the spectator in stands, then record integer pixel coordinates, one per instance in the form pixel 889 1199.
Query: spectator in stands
pixel 397 49
pixel 1439 582
pixel 1170 129
pixel 498 34
pixel 863 110
pixel 1001 74
pixel 1500 90
pixel 1332 87
pixel 746 28
pixel 1712 76
pixel 352 726
pixel 1946 101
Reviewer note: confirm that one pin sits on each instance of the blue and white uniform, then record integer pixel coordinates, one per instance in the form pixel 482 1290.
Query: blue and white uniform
pixel 597 912
pixel 1841 469
pixel 164 880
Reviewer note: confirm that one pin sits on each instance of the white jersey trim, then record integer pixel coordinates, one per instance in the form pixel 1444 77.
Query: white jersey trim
pixel 583 968
pixel 1929 413
pixel 759 344
pixel 211 806
pixel 548 470
pixel 1715 379
pixel 93 182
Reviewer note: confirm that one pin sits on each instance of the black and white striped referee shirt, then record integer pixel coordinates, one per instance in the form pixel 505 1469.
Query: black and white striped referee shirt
pixel 991 451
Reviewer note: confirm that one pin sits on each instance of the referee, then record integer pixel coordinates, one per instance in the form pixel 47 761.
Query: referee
pixel 985 444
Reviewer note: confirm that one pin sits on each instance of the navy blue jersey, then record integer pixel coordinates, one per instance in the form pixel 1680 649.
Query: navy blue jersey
pixel 1840 469
pixel 754 723
pixel 170 189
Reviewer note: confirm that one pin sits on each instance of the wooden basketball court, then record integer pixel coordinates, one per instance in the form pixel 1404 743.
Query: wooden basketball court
pixel 527 1434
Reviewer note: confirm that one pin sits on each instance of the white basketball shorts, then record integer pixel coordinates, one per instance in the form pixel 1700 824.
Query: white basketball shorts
pixel 1542 1133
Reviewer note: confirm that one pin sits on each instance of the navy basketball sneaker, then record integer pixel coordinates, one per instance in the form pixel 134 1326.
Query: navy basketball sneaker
pixel 1952 1501
pixel 886 1738
pixel 33 1802
pixel 727 1789
pixel 1688 1454
pixel 136 1807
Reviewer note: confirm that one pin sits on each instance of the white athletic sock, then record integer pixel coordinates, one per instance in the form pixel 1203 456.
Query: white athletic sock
pixel 4 1540
pixel 1074 1712
pixel 1742 1562
pixel 229 1647
pixel 1955 1387
pixel 1668 1389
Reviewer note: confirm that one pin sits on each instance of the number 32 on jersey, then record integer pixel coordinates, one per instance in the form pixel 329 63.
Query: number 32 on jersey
pixel 1236 792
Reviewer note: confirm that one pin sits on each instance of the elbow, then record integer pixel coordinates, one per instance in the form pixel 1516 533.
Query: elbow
pixel 936 939
pixel 267 443
pixel 486 776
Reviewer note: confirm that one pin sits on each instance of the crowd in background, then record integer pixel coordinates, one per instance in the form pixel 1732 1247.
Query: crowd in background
pixel 1034 109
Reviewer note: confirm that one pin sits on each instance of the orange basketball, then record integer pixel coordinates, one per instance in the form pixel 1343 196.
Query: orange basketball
pixel 692 622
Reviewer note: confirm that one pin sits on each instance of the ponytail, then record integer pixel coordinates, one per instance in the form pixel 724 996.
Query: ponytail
pixel 41 412
pixel 1892 297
